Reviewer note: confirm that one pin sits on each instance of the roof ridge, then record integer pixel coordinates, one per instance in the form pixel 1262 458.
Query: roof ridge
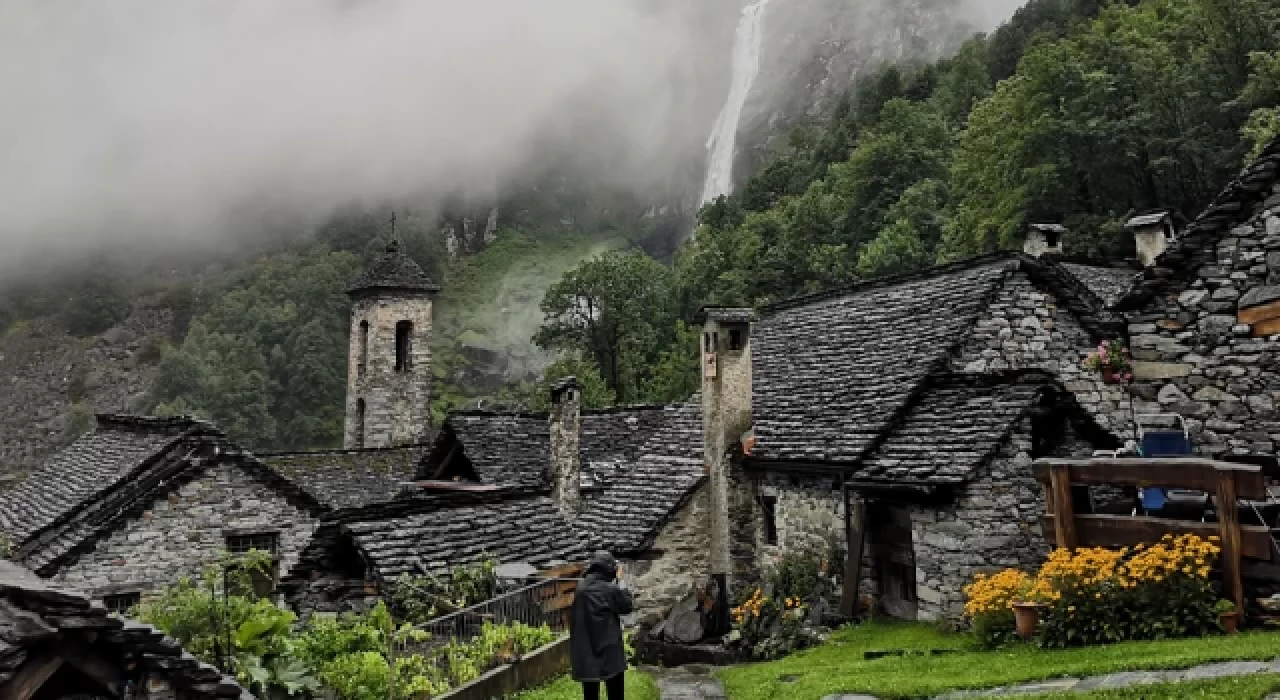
pixel 143 423
pixel 892 280
pixel 341 450
pixel 497 413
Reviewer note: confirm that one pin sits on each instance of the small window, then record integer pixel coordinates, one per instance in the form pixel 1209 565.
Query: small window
pixel 363 360
pixel 706 343
pixel 735 338
pixel 770 520
pixel 122 603
pixel 262 582
pixel 1051 239
pixel 359 428
pixel 404 349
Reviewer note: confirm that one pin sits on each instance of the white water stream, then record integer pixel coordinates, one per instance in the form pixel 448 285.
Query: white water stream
pixel 746 64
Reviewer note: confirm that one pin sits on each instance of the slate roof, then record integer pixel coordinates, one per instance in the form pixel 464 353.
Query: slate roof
pixel 644 493
pixel 85 491
pixel 1109 284
pixel 831 370
pixel 448 530
pixel 393 271
pixel 349 478
pixel 90 466
pixel 614 437
pixel 500 447
pixel 1197 244
pixel 37 618
pixel 954 428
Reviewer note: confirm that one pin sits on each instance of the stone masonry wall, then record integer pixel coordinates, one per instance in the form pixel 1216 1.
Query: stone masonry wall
pixel 1024 329
pixel 660 582
pixel 993 524
pixel 397 403
pixel 186 530
pixel 1193 357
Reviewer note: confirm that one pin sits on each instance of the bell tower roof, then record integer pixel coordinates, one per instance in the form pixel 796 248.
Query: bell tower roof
pixel 393 271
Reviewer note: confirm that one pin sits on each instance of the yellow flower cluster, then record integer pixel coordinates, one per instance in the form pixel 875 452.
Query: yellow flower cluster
pixel 1092 570
pixel 988 594
pixel 1081 568
pixel 751 608
pixel 1188 555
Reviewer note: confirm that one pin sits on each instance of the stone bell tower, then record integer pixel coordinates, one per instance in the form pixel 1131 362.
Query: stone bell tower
pixel 389 355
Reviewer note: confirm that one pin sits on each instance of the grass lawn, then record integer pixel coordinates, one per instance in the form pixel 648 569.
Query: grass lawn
pixel 838 666
pixel 640 686
pixel 1242 688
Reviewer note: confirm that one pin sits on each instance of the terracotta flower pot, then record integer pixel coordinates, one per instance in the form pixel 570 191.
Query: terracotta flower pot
pixel 1230 621
pixel 1025 617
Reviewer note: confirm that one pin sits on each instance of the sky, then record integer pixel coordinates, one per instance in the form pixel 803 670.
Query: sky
pixel 140 119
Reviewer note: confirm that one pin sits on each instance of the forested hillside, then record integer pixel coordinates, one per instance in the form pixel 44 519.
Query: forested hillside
pixel 1081 112
pixel 1076 112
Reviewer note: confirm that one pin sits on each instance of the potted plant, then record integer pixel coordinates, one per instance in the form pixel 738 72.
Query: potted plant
pixel 1026 610
pixel 1228 615
pixel 1112 361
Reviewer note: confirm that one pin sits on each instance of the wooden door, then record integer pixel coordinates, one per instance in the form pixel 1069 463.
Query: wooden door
pixel 895 559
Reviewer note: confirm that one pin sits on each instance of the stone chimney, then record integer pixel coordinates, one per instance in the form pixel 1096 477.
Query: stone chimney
pixel 565 426
pixel 726 413
pixel 1152 234
pixel 1044 239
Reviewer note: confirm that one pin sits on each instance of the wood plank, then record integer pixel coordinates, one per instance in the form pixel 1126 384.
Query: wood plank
pixel 1179 472
pixel 1229 526
pixel 855 535
pixel 1064 516
pixel 1128 530
pixel 1264 312
pixel 30 677
pixel 1263 329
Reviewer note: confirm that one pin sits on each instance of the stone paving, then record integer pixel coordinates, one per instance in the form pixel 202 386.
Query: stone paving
pixel 1111 680
pixel 691 682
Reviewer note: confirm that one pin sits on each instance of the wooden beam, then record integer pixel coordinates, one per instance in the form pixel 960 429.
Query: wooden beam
pixel 30 677
pixel 1229 524
pixel 1269 327
pixel 855 535
pixel 1128 530
pixel 1064 516
pixel 1254 314
pixel 1174 472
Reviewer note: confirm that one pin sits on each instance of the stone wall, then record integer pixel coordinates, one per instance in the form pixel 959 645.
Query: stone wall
pixel 397 404
pixel 1193 357
pixel 678 562
pixel 186 530
pixel 809 514
pixel 992 524
pixel 1025 329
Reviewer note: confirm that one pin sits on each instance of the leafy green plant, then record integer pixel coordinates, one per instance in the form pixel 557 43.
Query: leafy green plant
pixel 421 598
pixel 217 618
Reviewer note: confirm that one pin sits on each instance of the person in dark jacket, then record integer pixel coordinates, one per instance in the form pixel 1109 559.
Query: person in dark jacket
pixel 595 629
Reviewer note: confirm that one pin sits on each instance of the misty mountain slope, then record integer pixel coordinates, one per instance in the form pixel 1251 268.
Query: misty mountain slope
pixel 53 381
pixel 487 312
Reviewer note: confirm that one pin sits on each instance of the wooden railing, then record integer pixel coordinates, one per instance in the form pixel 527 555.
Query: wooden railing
pixel 1227 483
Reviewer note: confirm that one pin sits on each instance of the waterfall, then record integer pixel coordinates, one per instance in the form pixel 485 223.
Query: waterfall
pixel 746 64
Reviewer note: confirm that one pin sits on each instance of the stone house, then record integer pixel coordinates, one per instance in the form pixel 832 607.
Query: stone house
pixel 55 643
pixel 530 491
pixel 1203 321
pixel 140 502
pixel 902 416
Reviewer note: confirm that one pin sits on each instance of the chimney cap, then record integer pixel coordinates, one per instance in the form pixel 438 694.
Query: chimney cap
pixel 569 382
pixel 728 314
pixel 1150 219
pixel 1049 228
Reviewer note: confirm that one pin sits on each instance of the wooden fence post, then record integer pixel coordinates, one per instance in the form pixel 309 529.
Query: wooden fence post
pixel 1229 524
pixel 1064 516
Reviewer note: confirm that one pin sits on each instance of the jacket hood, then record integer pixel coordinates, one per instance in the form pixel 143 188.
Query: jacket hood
pixel 603 565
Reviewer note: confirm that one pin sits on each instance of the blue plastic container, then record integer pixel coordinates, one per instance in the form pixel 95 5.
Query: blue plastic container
pixel 1165 443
